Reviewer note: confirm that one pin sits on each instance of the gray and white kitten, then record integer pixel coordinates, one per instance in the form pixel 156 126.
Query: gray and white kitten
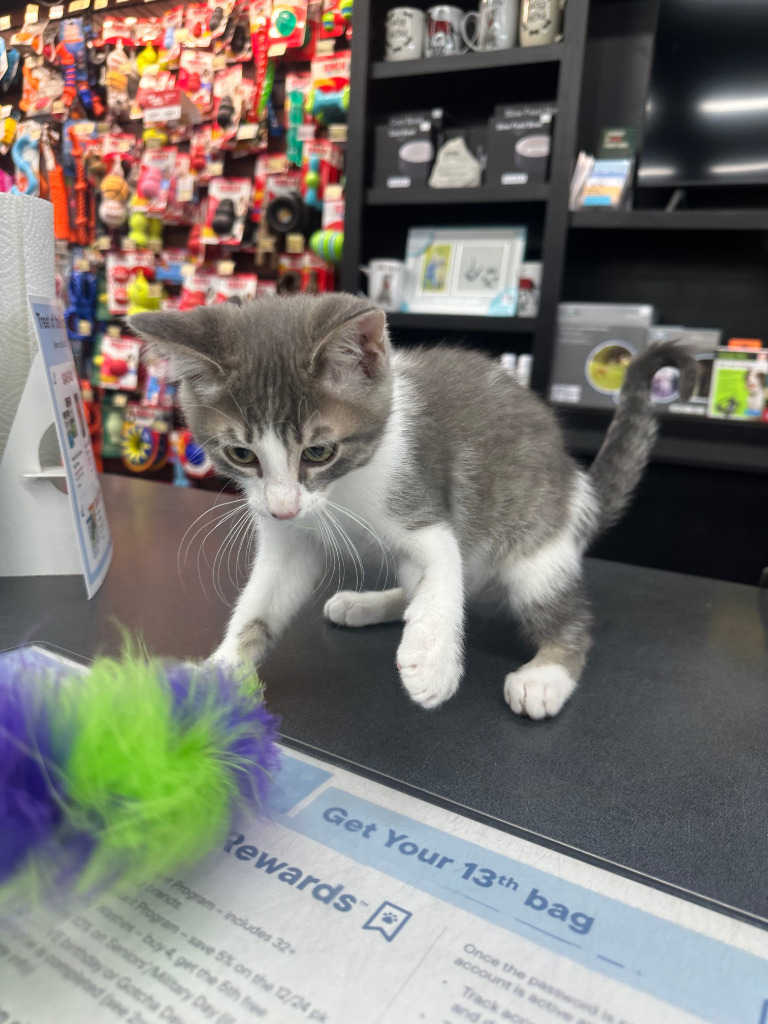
pixel 455 468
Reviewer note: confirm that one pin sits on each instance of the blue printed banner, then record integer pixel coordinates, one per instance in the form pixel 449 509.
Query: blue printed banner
pixel 686 969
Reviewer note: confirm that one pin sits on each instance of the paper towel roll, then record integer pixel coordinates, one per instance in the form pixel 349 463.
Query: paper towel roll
pixel 26 265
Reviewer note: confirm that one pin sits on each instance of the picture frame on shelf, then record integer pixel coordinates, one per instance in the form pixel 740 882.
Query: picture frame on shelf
pixel 463 270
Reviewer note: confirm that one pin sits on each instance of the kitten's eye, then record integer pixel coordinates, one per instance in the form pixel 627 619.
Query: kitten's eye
pixel 319 453
pixel 240 456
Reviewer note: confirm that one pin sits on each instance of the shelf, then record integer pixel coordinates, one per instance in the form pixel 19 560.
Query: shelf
pixel 676 220
pixel 453 196
pixel 714 444
pixel 449 322
pixel 517 56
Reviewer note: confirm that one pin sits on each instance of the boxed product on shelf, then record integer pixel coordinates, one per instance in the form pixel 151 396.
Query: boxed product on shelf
pixel 519 141
pixel 702 343
pixel 463 270
pixel 595 343
pixel 738 390
pixel 405 147
pixel 608 183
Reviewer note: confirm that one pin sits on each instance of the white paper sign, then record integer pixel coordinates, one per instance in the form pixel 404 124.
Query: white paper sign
pixel 352 903
pixel 86 500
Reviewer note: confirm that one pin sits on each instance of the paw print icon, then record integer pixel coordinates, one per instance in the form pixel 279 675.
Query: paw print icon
pixel 388 919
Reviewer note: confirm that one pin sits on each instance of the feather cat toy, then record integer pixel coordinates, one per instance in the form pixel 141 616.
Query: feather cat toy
pixel 111 778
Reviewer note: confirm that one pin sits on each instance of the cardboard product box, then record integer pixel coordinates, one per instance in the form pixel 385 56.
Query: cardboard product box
pixel 519 141
pixel 405 148
pixel 703 342
pixel 595 344
pixel 739 385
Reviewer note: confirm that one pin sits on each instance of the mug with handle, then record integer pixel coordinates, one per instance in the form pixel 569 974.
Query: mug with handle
pixel 443 34
pixel 404 30
pixel 495 25
pixel 385 283
pixel 540 22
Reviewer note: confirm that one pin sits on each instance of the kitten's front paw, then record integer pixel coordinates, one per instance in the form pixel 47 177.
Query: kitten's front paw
pixel 430 664
pixel 538 691
pixel 249 645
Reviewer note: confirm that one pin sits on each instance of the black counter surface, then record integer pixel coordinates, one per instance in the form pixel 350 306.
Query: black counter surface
pixel 659 763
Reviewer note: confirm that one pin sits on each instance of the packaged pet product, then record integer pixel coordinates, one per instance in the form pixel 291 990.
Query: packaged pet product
pixel 235 286
pixel 703 343
pixel 595 344
pixel 738 390
pixel 121 267
pixel 229 201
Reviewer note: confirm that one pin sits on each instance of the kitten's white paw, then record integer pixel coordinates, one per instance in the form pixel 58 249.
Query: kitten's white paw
pixel 429 663
pixel 538 691
pixel 227 654
pixel 350 608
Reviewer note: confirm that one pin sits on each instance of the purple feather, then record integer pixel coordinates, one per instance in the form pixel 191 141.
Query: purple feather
pixel 30 801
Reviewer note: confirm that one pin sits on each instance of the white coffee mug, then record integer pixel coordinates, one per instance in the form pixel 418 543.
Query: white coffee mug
pixel 404 27
pixel 385 283
pixel 540 22
pixel 495 25
pixel 443 31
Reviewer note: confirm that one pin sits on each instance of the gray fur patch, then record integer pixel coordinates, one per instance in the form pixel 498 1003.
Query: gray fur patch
pixel 254 640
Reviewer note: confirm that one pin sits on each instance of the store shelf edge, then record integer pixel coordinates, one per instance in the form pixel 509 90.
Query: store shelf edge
pixel 676 220
pixel 452 196
pixel 518 55
pixel 462 322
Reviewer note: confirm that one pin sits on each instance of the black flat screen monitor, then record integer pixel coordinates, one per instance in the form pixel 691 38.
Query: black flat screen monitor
pixel 706 117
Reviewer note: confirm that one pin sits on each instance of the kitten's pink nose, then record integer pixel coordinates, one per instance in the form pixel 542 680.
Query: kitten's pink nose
pixel 283 500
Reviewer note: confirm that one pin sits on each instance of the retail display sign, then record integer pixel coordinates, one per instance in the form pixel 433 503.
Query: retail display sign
pixel 91 529
pixel 463 270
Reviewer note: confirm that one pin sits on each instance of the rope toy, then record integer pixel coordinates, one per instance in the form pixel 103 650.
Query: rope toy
pixel 132 770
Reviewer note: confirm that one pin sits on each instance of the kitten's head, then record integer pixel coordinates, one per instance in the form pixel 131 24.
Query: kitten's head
pixel 286 394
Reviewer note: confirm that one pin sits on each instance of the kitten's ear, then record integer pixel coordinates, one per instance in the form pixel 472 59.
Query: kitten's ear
pixel 188 340
pixel 353 355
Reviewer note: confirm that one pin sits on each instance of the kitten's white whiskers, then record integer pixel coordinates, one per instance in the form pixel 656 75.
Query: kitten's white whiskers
pixel 201 549
pixel 386 551
pixel 352 549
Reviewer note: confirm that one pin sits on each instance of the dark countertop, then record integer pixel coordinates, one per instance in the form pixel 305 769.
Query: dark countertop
pixel 658 763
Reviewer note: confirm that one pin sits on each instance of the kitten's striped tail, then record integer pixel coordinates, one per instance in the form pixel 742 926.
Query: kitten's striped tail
pixel 626 449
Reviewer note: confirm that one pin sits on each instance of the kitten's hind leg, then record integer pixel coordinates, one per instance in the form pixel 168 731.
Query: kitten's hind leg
pixel 351 608
pixel 554 613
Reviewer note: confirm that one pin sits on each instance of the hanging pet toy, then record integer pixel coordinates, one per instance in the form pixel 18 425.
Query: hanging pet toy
pixel 25 154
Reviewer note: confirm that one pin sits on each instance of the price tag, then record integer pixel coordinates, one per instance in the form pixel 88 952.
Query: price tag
pixel 56 12
pixel 31 13
pixel 305 132
pixel 247 131
pixel 337 132
pixel 225 267
pixel 78 5
pixel 100 5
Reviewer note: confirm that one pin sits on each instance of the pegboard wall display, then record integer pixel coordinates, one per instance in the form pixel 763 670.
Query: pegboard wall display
pixel 194 154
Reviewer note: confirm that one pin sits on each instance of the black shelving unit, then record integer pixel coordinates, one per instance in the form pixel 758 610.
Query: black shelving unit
pixel 703 266
pixel 470 85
